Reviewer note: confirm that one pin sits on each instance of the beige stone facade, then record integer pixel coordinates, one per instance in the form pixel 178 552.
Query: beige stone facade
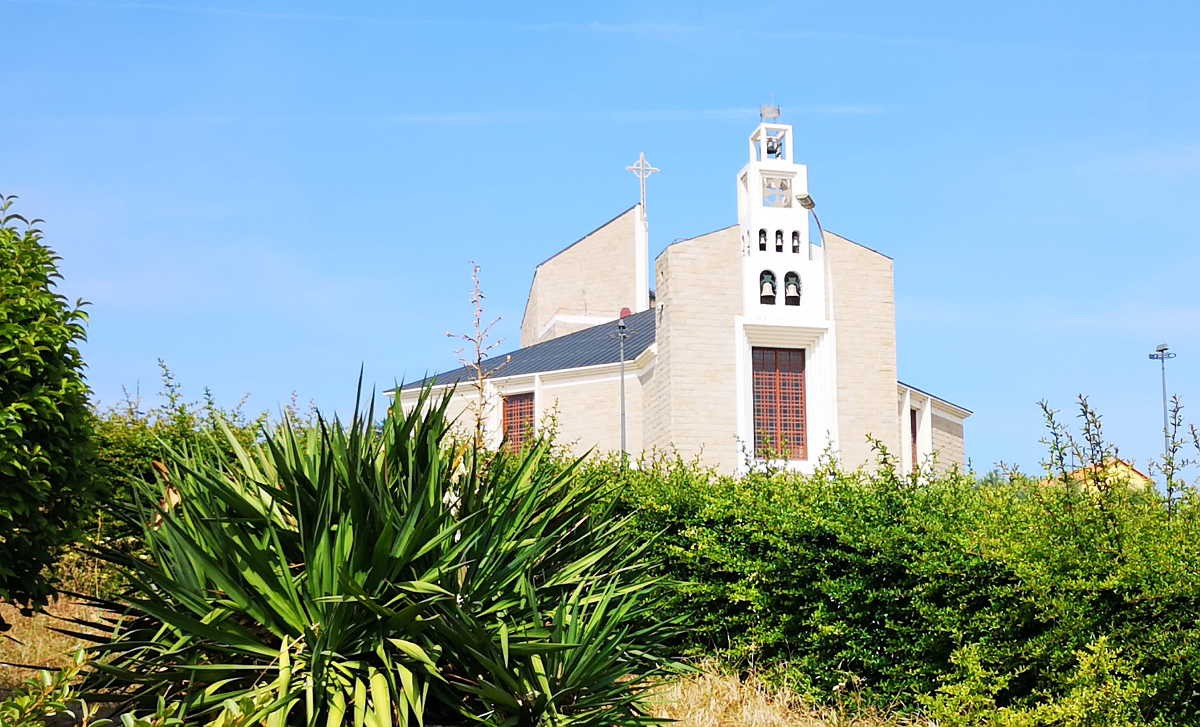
pixel 692 395
pixel 864 309
pixel 948 442
pixel 587 283
pixel 586 412
pixel 726 301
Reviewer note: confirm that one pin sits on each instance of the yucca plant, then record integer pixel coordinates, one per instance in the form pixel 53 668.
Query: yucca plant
pixel 373 574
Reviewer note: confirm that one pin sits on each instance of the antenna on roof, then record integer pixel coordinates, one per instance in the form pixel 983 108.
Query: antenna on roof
pixel 769 113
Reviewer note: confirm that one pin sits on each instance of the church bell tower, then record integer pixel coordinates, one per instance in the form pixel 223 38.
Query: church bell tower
pixel 781 277
pixel 786 340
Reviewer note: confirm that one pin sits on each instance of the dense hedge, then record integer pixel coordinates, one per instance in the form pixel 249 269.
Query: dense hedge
pixel 1008 597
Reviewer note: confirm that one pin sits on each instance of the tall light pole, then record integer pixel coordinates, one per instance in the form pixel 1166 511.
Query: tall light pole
pixel 1161 354
pixel 622 334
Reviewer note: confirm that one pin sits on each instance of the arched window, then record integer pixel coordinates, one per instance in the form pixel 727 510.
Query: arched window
pixel 778 240
pixel 762 240
pixel 795 241
pixel 791 289
pixel 766 287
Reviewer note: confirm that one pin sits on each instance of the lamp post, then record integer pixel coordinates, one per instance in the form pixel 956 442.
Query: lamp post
pixel 807 202
pixel 622 334
pixel 1161 354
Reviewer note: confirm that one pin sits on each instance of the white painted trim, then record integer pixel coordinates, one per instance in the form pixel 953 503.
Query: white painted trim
pixel 571 318
pixel 952 411
pixel 906 453
pixel 820 370
pixel 927 407
pixel 641 268
pixel 580 374
pixel 947 410
pixel 925 430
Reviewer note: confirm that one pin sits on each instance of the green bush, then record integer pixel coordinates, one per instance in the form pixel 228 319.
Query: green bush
pixel 46 452
pixel 882 585
pixel 373 574
pixel 132 436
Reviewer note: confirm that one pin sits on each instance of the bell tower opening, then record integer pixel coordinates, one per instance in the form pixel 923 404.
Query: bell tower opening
pixel 773 219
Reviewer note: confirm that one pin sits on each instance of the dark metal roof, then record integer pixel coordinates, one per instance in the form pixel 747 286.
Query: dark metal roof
pixel 590 347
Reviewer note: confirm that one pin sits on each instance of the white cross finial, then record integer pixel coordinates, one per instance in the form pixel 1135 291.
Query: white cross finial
pixel 642 169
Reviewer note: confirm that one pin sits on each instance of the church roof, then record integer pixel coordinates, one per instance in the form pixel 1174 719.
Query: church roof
pixel 590 347
pixel 935 396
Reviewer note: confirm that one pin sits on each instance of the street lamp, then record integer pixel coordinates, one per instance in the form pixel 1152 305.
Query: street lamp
pixel 622 334
pixel 1161 354
pixel 807 202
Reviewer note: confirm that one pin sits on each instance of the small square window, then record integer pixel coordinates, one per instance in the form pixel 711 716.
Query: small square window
pixel 777 191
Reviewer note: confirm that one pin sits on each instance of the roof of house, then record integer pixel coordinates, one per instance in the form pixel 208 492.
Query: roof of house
pixel 590 347
pixel 934 396
pixel 1110 470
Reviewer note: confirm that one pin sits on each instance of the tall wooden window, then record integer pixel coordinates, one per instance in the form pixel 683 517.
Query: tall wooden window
pixel 518 420
pixel 779 423
pixel 913 420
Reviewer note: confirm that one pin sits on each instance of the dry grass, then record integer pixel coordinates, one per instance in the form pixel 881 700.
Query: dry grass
pixel 718 700
pixel 708 699
pixel 32 642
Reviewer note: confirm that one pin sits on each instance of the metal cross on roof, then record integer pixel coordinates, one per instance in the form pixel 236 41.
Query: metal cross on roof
pixel 642 169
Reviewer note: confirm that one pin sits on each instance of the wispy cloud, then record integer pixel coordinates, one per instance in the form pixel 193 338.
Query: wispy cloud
pixel 601 27
pixel 616 115
pixel 1168 160
pixel 654 28
pixel 466 117
pixel 214 10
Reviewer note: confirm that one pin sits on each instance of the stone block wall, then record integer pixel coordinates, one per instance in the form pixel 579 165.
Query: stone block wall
pixel 948 442
pixel 692 398
pixel 593 278
pixel 864 313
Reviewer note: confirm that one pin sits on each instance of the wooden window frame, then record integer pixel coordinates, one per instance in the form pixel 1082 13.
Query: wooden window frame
pixel 914 422
pixel 780 401
pixel 517 414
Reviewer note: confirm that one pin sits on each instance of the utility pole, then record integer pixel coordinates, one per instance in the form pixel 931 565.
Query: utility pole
pixel 1161 354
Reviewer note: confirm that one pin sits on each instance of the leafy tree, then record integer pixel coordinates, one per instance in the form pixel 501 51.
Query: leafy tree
pixel 45 425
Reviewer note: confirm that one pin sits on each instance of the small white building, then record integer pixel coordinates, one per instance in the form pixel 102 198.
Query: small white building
pixel 761 341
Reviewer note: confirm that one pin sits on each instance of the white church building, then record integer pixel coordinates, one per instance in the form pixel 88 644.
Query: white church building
pixel 761 341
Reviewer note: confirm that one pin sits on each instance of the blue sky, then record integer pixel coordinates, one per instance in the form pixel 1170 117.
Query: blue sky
pixel 269 194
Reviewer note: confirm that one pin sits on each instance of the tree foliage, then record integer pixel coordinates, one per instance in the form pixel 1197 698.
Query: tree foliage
pixel 46 482
pixel 133 435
